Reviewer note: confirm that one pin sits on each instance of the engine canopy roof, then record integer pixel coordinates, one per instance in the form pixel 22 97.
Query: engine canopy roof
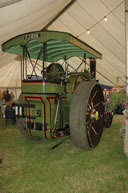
pixel 50 46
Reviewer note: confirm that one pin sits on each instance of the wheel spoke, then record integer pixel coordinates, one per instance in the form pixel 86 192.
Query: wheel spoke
pixel 94 95
pixel 93 130
pixel 89 137
pixel 89 106
pixel 88 122
pixel 96 105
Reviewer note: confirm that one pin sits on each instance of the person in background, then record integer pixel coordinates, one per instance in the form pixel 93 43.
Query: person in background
pixel 8 104
pixel 12 98
pixel 3 94
pixel 7 96
pixel 10 107
pixel 0 95
pixel 10 112
pixel 3 105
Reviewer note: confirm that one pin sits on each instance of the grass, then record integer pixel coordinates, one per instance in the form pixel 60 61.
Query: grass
pixel 32 167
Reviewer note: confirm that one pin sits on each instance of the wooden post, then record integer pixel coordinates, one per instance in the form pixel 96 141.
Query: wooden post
pixel 126 69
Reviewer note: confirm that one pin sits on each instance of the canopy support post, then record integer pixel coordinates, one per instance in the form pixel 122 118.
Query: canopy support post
pixel 21 66
pixel 23 62
pixel 66 66
pixel 44 58
pixel 85 62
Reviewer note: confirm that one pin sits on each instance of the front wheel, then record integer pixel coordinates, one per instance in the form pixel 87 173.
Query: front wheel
pixel 87 115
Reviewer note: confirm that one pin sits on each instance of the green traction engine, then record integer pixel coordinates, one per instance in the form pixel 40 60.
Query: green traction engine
pixel 59 95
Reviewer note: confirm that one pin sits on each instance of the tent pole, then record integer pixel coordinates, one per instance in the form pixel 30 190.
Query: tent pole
pixel 126 71
pixel 58 15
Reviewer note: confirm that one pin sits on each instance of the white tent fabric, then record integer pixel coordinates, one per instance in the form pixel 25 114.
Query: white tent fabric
pixel 26 16
pixel 106 37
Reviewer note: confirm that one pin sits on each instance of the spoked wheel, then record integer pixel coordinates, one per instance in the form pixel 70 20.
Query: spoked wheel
pixel 21 123
pixel 87 115
pixel 108 117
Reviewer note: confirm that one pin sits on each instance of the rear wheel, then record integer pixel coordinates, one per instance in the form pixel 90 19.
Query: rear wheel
pixel 108 117
pixel 87 115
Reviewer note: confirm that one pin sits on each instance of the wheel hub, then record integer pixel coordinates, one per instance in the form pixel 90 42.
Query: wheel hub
pixel 94 114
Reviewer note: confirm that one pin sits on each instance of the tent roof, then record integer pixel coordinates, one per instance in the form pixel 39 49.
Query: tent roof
pixel 50 46
pixel 106 37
